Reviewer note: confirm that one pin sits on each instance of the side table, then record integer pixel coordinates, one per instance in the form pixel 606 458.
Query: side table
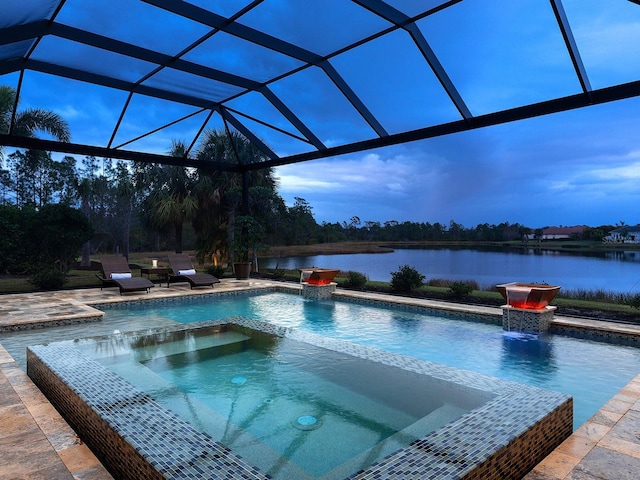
pixel 162 272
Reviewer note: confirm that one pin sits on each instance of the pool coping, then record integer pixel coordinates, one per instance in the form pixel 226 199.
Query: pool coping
pixel 36 442
pixel 606 446
pixel 485 443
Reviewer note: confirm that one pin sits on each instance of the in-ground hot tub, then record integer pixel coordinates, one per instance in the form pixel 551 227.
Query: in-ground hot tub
pixel 115 392
pixel 531 296
pixel 318 276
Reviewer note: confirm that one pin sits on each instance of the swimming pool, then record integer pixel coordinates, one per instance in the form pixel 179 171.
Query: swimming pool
pixel 592 372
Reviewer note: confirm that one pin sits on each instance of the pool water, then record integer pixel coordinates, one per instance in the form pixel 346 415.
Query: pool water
pixel 288 407
pixel 591 372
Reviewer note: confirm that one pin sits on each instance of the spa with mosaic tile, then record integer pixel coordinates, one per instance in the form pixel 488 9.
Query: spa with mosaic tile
pixel 507 429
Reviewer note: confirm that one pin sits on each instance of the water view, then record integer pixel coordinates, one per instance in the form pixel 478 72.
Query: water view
pixel 617 271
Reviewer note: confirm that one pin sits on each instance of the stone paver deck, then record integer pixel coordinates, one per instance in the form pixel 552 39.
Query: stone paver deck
pixel 35 442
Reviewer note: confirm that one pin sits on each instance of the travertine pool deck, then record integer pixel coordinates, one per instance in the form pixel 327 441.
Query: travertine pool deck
pixel 35 442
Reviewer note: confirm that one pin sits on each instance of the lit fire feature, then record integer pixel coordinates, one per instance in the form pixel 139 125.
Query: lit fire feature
pixel 530 296
pixel 318 276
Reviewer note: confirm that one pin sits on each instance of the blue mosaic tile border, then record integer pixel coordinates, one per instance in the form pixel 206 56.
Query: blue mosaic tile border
pixel 51 323
pixel 137 438
pixel 598 335
pixel 187 298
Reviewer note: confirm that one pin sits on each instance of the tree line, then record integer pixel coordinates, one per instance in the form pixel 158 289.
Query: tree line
pixel 393 231
pixel 140 206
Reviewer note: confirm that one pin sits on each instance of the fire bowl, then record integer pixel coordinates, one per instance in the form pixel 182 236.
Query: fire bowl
pixel 318 276
pixel 531 296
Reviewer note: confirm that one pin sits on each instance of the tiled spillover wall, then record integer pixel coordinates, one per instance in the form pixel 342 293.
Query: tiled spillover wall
pixel 614 337
pixel 318 292
pixel 527 321
pixel 137 438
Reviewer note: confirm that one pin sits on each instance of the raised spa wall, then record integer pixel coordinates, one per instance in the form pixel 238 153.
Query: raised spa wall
pixel 527 320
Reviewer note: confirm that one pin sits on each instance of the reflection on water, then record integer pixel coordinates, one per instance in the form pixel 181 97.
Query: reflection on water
pixel 533 353
pixel 406 323
pixel 324 309
pixel 628 256
pixel 615 271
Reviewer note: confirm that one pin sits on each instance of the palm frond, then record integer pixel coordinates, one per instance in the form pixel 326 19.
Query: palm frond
pixel 7 102
pixel 32 120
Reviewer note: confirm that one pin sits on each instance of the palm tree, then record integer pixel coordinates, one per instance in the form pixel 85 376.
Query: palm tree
pixel 171 201
pixel 219 193
pixel 30 121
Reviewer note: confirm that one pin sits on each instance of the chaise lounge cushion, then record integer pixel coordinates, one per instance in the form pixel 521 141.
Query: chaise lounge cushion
pixel 120 276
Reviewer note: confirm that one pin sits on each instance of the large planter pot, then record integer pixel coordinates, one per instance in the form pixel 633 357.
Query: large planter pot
pixel 243 270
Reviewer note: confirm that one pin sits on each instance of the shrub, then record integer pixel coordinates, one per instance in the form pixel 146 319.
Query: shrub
pixel 355 280
pixel 460 289
pixel 634 301
pixel 216 270
pixel 16 257
pixel 446 283
pixel 598 295
pixel 56 236
pixel 279 273
pixel 406 278
pixel 49 279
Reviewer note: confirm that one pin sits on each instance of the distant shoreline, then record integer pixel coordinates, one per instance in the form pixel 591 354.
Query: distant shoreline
pixel 338 248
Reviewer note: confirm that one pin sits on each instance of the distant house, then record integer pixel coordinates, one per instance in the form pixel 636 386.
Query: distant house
pixel 558 233
pixel 624 234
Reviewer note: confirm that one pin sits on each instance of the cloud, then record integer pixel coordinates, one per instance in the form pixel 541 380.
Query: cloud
pixel 69 112
pixel 578 167
pixel 607 34
pixel 301 184
pixel 623 173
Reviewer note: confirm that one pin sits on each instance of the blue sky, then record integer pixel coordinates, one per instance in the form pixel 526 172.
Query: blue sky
pixel 575 167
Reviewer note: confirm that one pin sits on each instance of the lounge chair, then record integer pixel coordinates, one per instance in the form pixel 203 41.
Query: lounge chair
pixel 183 271
pixel 116 273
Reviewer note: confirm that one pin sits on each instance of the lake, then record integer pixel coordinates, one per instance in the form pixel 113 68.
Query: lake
pixel 616 271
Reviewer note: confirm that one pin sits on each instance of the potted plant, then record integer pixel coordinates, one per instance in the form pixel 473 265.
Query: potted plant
pixel 247 234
